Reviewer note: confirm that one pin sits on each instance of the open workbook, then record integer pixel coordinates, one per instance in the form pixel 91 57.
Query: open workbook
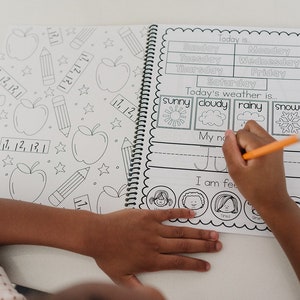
pixel 198 82
pixel 69 100
pixel 68 105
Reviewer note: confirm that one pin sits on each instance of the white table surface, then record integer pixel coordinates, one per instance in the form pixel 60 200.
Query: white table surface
pixel 248 267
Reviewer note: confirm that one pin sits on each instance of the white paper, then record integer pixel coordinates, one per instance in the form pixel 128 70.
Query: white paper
pixel 205 81
pixel 68 106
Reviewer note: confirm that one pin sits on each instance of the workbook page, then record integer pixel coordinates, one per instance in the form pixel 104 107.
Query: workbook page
pixel 205 81
pixel 68 105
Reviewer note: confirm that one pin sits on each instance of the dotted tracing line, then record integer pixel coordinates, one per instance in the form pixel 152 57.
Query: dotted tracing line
pixel 209 156
pixel 185 154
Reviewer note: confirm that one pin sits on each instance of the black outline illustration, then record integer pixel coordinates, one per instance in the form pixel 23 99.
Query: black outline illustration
pixel 47 69
pixel 132 42
pixel 112 75
pixel 11 85
pixel 161 197
pixel 62 115
pixel 68 186
pixel 30 116
pixel 18 45
pixel 75 72
pixel 196 200
pixel 19 178
pixel 55 36
pixel 82 202
pixel 111 199
pixel 82 37
pixel 86 147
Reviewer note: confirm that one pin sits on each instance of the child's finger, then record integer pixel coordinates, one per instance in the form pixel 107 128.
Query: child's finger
pixel 188 233
pixel 231 150
pixel 256 129
pixel 173 213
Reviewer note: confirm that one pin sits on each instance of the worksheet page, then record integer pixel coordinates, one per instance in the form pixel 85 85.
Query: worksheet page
pixel 68 104
pixel 203 81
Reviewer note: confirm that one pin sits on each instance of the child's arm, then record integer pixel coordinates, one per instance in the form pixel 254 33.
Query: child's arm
pixel 123 243
pixel 262 183
pixel 101 291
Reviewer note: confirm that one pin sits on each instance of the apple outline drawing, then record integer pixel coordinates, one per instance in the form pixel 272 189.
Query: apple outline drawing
pixel 109 196
pixel 112 75
pixel 85 138
pixel 21 44
pixel 35 185
pixel 29 117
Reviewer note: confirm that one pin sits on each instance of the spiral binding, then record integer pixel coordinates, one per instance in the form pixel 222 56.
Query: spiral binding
pixel 139 135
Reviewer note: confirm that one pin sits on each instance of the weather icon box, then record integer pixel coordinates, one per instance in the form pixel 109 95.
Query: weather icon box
pixel 175 112
pixel 286 118
pixel 245 110
pixel 212 114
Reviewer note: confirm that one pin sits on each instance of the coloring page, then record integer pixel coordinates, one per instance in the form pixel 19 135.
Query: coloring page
pixel 204 81
pixel 68 107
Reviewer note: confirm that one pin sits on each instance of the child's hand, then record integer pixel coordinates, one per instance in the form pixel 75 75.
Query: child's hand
pixel 262 183
pixel 260 180
pixel 132 241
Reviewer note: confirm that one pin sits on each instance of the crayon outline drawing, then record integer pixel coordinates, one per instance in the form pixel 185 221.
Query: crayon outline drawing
pixel 24 176
pixel 21 44
pixel 30 117
pixel 89 145
pixel 161 197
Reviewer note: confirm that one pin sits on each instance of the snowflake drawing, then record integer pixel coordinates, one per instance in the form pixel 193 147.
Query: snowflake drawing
pixel 289 122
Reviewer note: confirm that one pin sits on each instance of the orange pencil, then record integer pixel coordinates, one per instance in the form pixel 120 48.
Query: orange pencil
pixel 272 147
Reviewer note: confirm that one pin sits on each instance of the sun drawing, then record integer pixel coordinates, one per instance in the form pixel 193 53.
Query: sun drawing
pixel 174 116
